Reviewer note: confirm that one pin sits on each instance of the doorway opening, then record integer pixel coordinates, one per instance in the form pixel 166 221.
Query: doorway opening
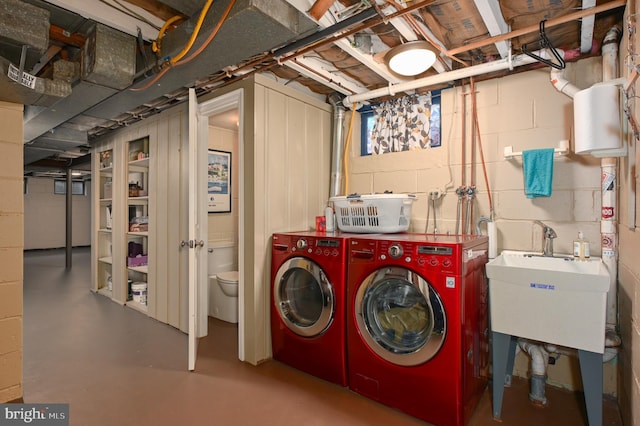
pixel 225 136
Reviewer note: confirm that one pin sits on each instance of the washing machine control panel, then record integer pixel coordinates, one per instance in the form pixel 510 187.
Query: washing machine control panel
pixel 301 244
pixel 395 251
pixel 434 257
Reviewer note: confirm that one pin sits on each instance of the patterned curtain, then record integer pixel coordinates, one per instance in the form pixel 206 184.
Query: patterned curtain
pixel 403 124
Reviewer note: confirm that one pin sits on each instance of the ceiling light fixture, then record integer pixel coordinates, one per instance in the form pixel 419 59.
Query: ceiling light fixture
pixel 410 58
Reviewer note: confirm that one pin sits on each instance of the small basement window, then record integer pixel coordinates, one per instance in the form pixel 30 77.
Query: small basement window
pixel 60 187
pixel 367 121
pixel 370 114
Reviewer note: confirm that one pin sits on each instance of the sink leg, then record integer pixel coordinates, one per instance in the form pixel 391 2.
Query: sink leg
pixel 511 359
pixel 503 352
pixel 591 370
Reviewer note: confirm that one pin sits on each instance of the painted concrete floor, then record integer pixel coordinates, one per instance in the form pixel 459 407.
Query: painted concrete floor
pixel 115 366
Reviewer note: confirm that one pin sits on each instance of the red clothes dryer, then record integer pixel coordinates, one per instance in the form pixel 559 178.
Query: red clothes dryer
pixel 417 326
pixel 308 303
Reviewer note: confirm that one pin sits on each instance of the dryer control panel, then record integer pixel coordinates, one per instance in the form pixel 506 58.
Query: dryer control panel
pixel 310 246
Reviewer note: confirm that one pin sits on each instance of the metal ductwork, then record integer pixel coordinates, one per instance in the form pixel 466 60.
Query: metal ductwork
pixel 100 90
pixel 108 65
pixel 272 23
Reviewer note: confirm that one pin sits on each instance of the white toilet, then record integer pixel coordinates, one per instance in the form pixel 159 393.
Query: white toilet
pixel 223 281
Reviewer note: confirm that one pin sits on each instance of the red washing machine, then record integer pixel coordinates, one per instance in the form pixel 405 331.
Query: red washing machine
pixel 308 303
pixel 417 325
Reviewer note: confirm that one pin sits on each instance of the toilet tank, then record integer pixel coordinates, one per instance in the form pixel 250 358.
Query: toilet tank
pixel 222 257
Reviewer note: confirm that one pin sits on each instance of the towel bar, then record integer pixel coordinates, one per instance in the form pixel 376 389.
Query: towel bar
pixel 562 150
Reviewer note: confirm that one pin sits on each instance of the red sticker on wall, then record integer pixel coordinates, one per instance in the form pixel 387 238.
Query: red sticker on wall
pixel 608 212
pixel 607 241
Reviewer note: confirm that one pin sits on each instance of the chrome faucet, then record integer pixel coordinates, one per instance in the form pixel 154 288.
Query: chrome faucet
pixel 549 235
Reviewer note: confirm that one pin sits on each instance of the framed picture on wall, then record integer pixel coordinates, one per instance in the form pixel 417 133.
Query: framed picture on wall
pixel 219 181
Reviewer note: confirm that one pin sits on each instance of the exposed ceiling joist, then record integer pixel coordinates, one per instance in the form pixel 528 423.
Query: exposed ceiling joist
pixel 314 69
pixel 614 4
pixel 493 19
pixel 586 30
pixel 158 9
pixel 113 16
pixel 366 59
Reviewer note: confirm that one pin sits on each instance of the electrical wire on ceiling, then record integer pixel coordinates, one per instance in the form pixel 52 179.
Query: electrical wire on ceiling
pixel 156 46
pixel 194 54
pixel 194 34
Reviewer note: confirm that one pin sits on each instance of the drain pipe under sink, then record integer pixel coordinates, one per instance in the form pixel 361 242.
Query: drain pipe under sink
pixel 539 362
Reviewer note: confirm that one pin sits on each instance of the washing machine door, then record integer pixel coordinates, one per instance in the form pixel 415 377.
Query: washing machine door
pixel 400 316
pixel 304 297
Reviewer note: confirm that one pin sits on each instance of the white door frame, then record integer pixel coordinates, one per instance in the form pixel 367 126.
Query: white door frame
pixel 226 102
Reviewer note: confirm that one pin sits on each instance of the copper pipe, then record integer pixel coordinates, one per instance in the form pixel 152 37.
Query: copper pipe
pixel 474 113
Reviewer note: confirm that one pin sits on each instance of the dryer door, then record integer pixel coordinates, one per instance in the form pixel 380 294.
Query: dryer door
pixel 304 297
pixel 400 316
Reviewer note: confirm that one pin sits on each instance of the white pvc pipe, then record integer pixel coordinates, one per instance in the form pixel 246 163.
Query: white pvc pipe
pixel 562 84
pixel 450 76
pixel 539 357
pixel 608 231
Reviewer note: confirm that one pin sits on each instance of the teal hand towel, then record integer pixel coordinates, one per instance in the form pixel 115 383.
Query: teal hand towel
pixel 538 172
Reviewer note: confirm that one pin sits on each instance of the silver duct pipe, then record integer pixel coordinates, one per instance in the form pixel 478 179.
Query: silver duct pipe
pixel 337 146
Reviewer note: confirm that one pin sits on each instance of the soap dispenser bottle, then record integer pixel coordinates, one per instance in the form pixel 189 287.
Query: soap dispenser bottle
pixel 581 247
pixel 586 251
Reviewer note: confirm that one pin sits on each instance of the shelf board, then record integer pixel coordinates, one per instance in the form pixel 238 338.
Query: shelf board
pixel 143 269
pixel 140 163
pixel 106 169
pixel 137 306
pixel 106 230
pixel 107 259
pixel 104 291
pixel 138 200
pixel 106 200
pixel 138 233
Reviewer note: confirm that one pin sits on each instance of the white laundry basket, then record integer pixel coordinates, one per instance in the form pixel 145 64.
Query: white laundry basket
pixel 374 213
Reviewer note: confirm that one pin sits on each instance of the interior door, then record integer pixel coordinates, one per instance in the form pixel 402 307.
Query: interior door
pixel 196 244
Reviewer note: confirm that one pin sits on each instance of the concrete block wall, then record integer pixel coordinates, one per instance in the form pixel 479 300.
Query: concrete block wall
pixel 44 216
pixel 11 246
pixel 523 111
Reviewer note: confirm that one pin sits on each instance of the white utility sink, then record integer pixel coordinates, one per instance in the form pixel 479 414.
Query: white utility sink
pixel 551 299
